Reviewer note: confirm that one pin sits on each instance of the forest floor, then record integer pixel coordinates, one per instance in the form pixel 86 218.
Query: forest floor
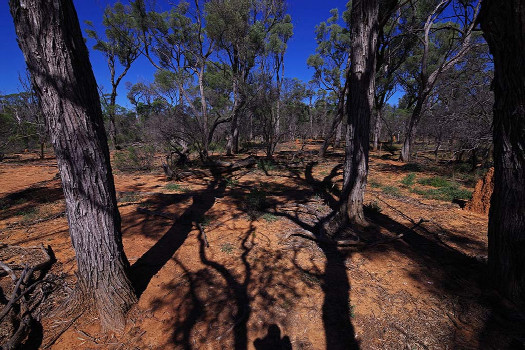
pixel 260 284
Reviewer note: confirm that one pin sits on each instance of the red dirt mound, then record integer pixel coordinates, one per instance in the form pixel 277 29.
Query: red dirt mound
pixel 480 202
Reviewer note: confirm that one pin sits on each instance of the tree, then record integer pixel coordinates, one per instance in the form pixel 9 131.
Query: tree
pixel 122 46
pixel 502 25
pixel 443 45
pixel 50 37
pixel 331 64
pixel 363 53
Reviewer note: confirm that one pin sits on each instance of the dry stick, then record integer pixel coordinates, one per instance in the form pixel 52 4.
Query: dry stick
pixel 8 270
pixel 203 233
pixel 59 334
pixel 18 284
pixel 325 239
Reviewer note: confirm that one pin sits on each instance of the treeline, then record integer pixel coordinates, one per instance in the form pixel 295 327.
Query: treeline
pixel 221 80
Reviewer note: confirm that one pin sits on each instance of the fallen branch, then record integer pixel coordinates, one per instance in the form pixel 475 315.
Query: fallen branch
pixel 327 240
pixel 203 233
pixel 20 295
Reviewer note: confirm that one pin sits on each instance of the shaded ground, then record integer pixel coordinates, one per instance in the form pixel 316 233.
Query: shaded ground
pixel 259 285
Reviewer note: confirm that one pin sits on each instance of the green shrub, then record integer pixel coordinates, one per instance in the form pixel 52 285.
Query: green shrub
pixel 204 221
pixel 449 194
pixel 391 190
pixel 176 187
pixel 227 248
pixel 129 197
pixel 28 214
pixel 435 181
pixel 269 217
pixel 266 165
pixel 409 179
pixel 374 184
pixel 231 182
pixel 134 159
pixel 255 202
pixel 392 148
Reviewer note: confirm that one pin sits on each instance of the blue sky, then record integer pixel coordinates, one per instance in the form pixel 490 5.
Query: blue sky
pixel 306 14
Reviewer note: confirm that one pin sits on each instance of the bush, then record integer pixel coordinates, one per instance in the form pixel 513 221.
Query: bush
pixel 409 179
pixel 255 202
pixel 391 190
pixel 435 181
pixel 134 159
pixel 265 165
pixel 453 192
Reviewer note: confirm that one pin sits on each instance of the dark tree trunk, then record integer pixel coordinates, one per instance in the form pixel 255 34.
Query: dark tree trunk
pixel 50 38
pixel 377 129
pixel 503 25
pixel 341 104
pixel 364 33
pixel 411 129
pixel 111 117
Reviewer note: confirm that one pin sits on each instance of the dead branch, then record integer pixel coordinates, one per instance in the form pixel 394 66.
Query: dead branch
pixel 21 294
pixel 203 233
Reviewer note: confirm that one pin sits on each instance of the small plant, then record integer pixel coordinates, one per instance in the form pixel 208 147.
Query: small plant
pixel 227 248
pixel 435 181
pixel 134 159
pixel 4 204
pixel 409 179
pixel 28 214
pixel 177 187
pixel 374 184
pixel 373 207
pixel 449 194
pixel 204 221
pixel 129 197
pixel 391 190
pixel 269 217
pixel 265 165
pixel 255 202
pixel 231 182
pixel 352 310
pixel 173 187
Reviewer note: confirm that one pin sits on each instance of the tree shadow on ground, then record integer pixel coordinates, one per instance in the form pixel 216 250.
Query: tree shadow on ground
pixel 273 340
pixel 452 272
pixel 214 303
pixel 149 264
pixel 24 201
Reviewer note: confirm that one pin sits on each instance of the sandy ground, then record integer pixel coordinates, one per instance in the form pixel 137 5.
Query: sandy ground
pixel 259 284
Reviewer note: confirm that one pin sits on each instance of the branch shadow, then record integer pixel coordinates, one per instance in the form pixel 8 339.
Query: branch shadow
pixel 149 264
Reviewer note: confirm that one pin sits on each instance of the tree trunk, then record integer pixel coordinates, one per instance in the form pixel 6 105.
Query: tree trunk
pixel 50 38
pixel 111 117
pixel 503 25
pixel 377 129
pixel 411 129
pixel 364 33
pixel 335 122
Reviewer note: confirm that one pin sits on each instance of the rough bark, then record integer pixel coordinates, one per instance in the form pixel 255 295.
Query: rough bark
pixel 377 130
pixel 503 25
pixel 364 34
pixel 341 105
pixel 50 38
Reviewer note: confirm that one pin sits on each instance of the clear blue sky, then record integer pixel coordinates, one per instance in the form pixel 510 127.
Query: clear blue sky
pixel 306 14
